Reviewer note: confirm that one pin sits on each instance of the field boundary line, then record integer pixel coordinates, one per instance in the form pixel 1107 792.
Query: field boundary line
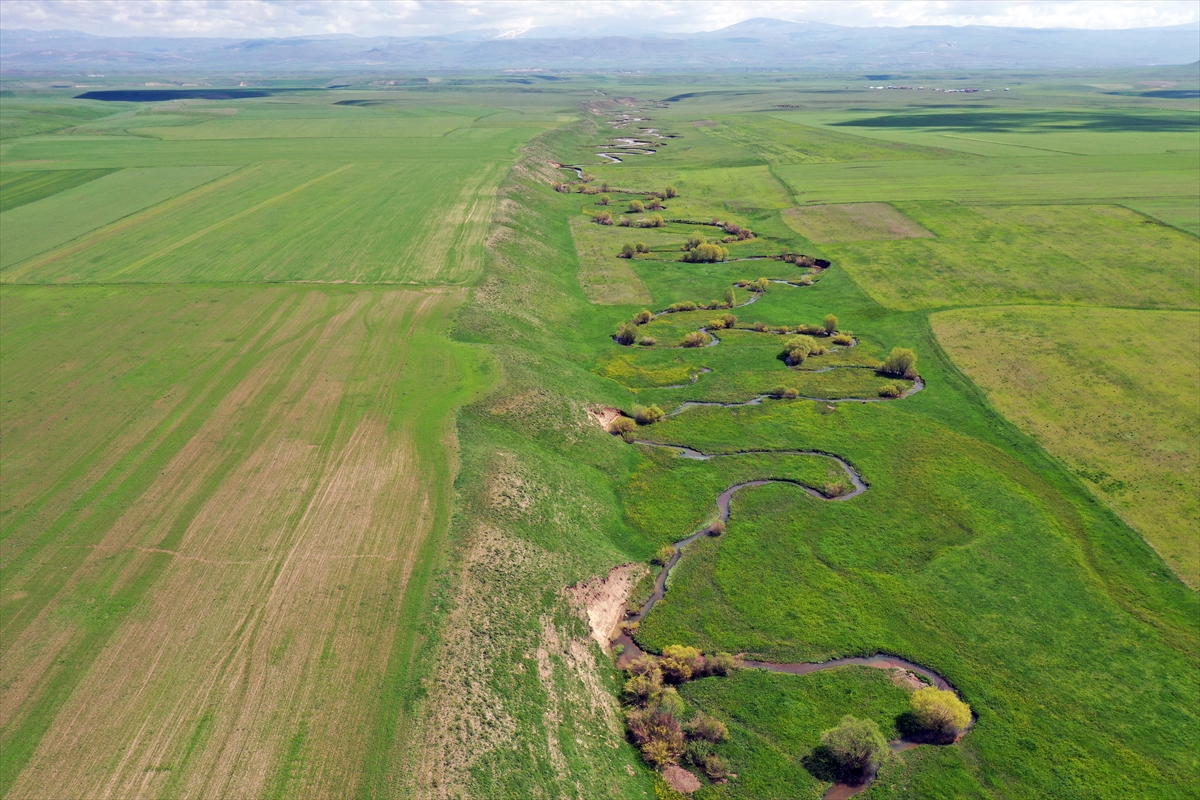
pixel 227 220
pixel 1009 144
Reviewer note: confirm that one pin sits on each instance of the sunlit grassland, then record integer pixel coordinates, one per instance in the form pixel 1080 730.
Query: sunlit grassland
pixel 1182 212
pixel 1111 392
pixel 958 557
pixel 275 457
pixel 1098 255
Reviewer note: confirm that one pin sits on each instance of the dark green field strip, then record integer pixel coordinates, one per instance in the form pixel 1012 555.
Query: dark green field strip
pixel 19 188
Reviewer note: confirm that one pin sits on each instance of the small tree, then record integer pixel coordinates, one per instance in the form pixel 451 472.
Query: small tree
pixel 830 324
pixel 940 711
pixel 642 247
pixel 730 297
pixel 604 186
pixel 670 192
pixel 626 333
pixel 642 317
pixel 603 200
pixel 694 339
pixel 627 251
pixel 762 284
pixel 901 361
pixel 636 206
pixel 857 746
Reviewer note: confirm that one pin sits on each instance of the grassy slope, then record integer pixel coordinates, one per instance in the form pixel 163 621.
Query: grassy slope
pixel 1069 379
pixel 19 188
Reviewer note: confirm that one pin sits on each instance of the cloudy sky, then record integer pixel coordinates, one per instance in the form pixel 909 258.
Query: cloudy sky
pixel 238 18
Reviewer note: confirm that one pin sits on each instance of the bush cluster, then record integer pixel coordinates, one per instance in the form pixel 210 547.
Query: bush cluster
pixel 626 333
pixel 695 339
pixel 843 339
pixel 647 415
pixel 643 316
pixel 940 712
pixel 653 221
pixel 653 718
pixel 856 746
pixel 603 200
pixel 901 361
pixel 622 426
pixel 737 231
pixel 706 253
pixel 603 218
pixel 889 390
pixel 798 348
pixel 786 392
pixel 683 305
pixel 647 341
pixel 636 206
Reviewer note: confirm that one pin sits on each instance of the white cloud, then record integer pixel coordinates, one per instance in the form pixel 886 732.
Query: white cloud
pixel 254 18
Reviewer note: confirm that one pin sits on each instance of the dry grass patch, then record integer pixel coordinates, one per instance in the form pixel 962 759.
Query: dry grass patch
pixel 853 222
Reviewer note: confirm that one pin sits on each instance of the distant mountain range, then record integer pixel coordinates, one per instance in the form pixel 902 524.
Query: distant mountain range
pixel 753 44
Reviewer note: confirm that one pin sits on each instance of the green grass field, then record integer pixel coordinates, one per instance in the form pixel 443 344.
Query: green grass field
pixel 1121 414
pixel 394 504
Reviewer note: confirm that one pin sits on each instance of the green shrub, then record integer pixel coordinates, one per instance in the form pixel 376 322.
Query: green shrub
pixel 790 393
pixel 940 711
pixel 714 767
pixel 830 323
pixel 798 348
pixel 901 361
pixel 728 320
pixel 653 221
pixel 857 746
pixel 636 207
pixel 654 204
pixel 717 528
pixel 642 247
pixel 730 297
pixel 643 316
pixel 680 663
pixel 693 242
pixel 833 489
pixel 603 218
pixel 622 425
pixel 762 284
pixel 647 341
pixel 670 192
pixel 843 340
pixel 683 305
pixel 646 415
pixel 760 327
pixel 603 200
pixel 706 253
pixel 695 339
pixel 889 390
pixel 624 222
pixel 805 280
pixel 627 251
pixel 664 555
pixel 644 688
pixel 626 333
pixel 658 734
pixel 722 664
pixel 707 728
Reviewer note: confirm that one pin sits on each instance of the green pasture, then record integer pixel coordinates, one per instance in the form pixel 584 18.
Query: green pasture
pixel 1077 380
pixel 1069 254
